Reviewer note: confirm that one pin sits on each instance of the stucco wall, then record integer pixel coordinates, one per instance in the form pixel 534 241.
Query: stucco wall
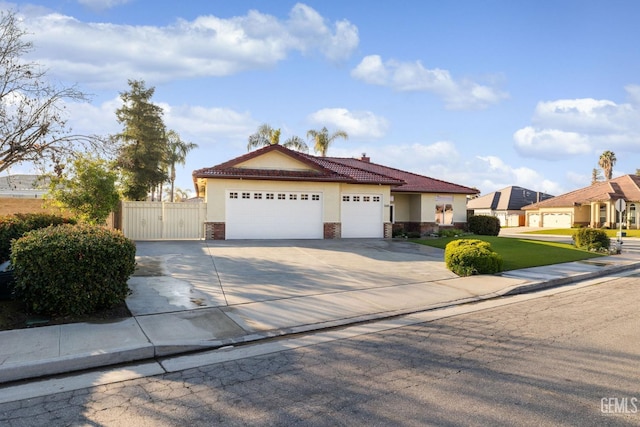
pixel 274 160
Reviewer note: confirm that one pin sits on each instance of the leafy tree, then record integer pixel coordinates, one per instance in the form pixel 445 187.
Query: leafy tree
pixel 606 162
pixel 266 135
pixel 33 126
pixel 596 176
pixel 176 153
pixel 143 142
pixel 322 139
pixel 88 189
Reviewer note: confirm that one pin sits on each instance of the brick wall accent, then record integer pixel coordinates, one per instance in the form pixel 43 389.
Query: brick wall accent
pixel 214 231
pixel 332 230
pixel 388 228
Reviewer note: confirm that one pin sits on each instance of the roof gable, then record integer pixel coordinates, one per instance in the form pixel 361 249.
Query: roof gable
pixel 511 198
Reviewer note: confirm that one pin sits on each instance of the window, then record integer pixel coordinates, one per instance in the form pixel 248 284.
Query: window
pixel 376 198
pixel 246 195
pixel 366 198
pixel 444 210
pixel 281 196
pixel 293 196
pixel 269 196
pixel 345 198
pixel 356 198
pixel 631 218
pixel 315 197
pixel 233 195
pixel 304 197
pixel 257 195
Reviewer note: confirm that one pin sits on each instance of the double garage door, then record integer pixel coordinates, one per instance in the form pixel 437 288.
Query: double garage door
pixel 298 215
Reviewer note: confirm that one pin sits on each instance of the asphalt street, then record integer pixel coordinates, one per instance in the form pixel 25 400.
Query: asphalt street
pixel 561 357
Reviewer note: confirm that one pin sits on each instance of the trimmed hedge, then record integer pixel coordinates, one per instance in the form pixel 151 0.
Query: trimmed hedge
pixel 466 257
pixel 484 225
pixel 14 226
pixel 591 239
pixel 72 269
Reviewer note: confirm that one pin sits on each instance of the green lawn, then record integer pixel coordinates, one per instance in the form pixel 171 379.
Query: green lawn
pixel 523 253
pixel 570 231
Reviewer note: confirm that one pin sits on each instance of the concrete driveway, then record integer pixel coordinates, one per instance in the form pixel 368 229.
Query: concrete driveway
pixel 175 276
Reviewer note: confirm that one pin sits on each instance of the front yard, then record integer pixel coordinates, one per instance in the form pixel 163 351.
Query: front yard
pixel 523 253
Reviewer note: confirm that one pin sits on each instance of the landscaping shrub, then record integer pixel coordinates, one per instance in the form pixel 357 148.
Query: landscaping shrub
pixel 72 269
pixel 472 256
pixel 14 226
pixel 484 225
pixel 591 239
pixel 449 232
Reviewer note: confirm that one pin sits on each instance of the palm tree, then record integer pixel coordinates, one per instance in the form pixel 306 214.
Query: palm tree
pixel 322 139
pixel 266 135
pixel 606 162
pixel 176 153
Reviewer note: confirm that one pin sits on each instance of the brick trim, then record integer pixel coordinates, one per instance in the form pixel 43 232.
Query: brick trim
pixel 332 230
pixel 214 231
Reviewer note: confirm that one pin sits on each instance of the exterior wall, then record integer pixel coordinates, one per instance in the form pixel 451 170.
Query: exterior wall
pixel 332 230
pixel 582 215
pixel 274 160
pixel 14 205
pixel 402 207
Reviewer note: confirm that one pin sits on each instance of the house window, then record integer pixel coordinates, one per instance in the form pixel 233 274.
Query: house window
pixel 233 195
pixel 304 197
pixel 246 195
pixel 293 196
pixel 315 197
pixel 281 196
pixel 269 196
pixel 603 214
pixel 631 218
pixel 356 198
pixel 444 210
pixel 257 195
pixel 345 198
pixel 366 198
pixel 376 198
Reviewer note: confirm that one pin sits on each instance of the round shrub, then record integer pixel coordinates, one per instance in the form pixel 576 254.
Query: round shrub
pixel 72 269
pixel 591 239
pixel 14 226
pixel 472 256
pixel 484 225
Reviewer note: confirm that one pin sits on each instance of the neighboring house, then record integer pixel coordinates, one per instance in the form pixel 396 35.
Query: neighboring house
pixel 506 204
pixel 275 192
pixel 22 194
pixel 592 206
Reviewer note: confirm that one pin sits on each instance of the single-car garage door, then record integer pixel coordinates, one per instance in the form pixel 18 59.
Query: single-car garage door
pixel 273 215
pixel 361 215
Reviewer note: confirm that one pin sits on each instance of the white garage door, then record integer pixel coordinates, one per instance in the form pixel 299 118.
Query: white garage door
pixel 534 220
pixel 361 215
pixel 557 220
pixel 273 215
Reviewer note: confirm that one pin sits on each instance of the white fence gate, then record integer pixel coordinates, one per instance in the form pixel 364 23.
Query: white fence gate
pixel 163 220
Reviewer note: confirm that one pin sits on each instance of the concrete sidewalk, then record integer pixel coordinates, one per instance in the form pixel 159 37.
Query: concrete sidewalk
pixel 202 298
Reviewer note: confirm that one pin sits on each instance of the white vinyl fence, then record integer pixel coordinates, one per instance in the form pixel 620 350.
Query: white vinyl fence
pixel 163 220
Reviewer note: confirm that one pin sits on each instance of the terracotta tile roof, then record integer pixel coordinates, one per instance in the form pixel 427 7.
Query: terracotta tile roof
pixel 334 169
pixel 625 187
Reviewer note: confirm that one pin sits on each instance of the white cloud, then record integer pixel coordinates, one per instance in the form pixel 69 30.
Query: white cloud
pixel 357 124
pixel 108 54
pixel 569 127
pixel 458 94
pixel 492 173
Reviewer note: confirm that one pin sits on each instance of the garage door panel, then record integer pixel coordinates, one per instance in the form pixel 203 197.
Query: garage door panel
pixel 361 216
pixel 273 215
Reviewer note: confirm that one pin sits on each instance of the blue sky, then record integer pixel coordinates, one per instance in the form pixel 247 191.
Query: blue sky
pixel 481 93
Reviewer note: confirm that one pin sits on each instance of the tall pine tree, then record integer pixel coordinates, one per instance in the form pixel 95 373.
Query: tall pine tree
pixel 143 142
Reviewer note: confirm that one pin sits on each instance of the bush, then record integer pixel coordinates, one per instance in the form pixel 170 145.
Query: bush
pixel 449 232
pixel 484 225
pixel 72 270
pixel 14 226
pixel 471 256
pixel 591 239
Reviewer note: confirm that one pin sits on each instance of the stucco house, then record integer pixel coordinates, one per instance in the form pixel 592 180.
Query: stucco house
pixel 592 206
pixel 506 204
pixel 277 193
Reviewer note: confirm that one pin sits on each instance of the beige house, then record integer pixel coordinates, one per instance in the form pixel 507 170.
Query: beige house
pixel 506 204
pixel 277 193
pixel 593 206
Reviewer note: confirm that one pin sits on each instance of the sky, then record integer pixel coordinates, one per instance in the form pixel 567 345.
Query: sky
pixel 482 93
